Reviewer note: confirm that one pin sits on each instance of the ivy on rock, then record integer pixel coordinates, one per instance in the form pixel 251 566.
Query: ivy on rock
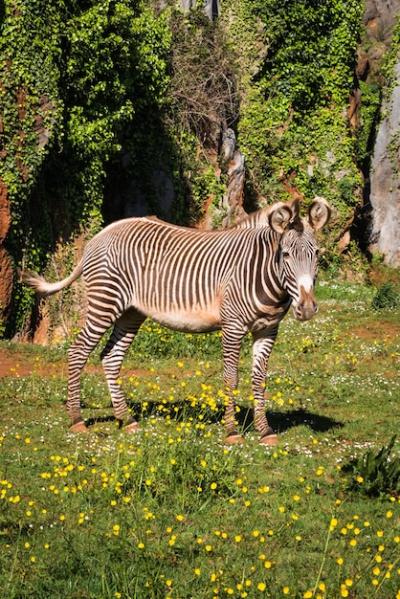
pixel 293 125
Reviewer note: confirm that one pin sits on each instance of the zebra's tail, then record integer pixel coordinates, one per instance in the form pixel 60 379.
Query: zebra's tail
pixel 43 288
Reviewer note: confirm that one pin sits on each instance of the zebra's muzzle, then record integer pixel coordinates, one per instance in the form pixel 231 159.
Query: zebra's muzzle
pixel 305 313
pixel 307 307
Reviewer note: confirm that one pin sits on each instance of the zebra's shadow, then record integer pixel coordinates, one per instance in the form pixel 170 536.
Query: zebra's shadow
pixel 283 421
pixel 279 421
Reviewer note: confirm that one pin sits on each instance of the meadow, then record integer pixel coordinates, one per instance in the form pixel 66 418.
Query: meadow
pixel 171 512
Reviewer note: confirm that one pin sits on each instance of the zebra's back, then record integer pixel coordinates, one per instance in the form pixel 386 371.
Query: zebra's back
pixel 176 275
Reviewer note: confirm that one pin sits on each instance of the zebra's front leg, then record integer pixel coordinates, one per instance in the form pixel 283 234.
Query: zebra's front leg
pixel 112 356
pixel 263 342
pixel 231 344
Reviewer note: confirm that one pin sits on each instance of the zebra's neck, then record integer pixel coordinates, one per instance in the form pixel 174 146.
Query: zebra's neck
pixel 267 271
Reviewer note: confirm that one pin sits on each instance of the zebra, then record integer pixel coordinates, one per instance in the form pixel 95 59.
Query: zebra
pixel 238 280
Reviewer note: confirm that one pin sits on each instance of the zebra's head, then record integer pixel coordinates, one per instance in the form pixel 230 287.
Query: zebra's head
pixel 298 251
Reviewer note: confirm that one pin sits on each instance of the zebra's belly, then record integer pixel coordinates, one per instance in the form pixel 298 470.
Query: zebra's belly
pixel 188 321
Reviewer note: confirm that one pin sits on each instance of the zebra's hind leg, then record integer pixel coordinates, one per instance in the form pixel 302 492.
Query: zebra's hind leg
pixel 231 344
pixel 263 342
pixel 112 356
pixel 78 354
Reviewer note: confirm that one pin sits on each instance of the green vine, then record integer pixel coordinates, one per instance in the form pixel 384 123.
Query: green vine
pixel 293 125
pixel 74 81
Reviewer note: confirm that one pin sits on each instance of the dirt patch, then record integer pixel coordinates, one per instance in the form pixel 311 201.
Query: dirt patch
pixel 125 371
pixel 376 331
pixel 19 364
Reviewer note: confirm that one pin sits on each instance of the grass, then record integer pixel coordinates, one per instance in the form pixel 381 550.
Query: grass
pixel 172 512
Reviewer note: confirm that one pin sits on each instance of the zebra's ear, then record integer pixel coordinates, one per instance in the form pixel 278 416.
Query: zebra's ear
pixel 279 217
pixel 319 213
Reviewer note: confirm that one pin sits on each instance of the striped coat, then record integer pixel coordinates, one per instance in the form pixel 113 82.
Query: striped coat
pixel 239 280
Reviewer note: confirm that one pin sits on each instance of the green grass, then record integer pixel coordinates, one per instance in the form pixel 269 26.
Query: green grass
pixel 172 512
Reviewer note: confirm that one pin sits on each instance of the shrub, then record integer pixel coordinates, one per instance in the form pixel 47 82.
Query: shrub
pixel 386 297
pixel 375 474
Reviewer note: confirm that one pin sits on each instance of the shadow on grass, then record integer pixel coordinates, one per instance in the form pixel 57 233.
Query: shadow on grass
pixel 182 411
pixel 283 421
pixel 11 531
pixel 99 419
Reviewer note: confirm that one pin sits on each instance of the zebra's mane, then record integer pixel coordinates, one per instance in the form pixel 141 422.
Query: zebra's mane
pixel 256 219
pixel 259 218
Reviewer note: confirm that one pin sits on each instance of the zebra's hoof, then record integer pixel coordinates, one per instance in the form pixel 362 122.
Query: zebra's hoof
pixel 79 427
pixel 234 439
pixel 270 439
pixel 132 427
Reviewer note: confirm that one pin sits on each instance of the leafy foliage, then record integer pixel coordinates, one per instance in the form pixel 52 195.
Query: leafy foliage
pixel 92 116
pixel 293 124
pixel 369 111
pixel 375 473
pixel 75 79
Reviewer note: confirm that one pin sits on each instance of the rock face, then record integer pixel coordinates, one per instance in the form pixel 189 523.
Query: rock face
pixel 6 265
pixel 232 163
pixel 380 18
pixel 385 179
pixel 211 7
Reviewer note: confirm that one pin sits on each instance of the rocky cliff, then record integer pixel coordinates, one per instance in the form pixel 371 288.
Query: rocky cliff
pixel 380 19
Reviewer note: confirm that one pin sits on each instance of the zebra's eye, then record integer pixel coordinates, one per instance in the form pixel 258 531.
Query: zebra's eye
pixel 285 255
